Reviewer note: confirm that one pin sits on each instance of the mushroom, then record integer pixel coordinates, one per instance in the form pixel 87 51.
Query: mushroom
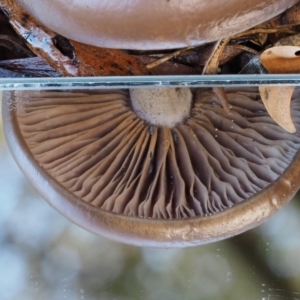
pixel 146 170
pixel 144 24
pixel 154 167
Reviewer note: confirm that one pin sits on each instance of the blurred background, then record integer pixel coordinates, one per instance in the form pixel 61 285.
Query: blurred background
pixel 44 256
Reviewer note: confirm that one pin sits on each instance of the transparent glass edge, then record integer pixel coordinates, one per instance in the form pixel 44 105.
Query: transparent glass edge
pixel 147 81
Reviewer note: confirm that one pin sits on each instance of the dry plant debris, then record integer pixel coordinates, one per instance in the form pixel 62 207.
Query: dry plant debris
pixel 191 60
pixel 277 100
pixel 69 58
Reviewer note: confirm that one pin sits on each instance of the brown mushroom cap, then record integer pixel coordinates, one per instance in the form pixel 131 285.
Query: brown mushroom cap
pixel 155 24
pixel 209 177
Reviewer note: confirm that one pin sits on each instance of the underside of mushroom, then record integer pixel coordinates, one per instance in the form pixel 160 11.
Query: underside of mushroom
pixel 132 166
pixel 97 146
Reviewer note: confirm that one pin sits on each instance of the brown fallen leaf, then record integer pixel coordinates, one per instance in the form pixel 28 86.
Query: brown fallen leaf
pixel 212 64
pixel 260 39
pixel 281 59
pixel 277 99
pixel 94 61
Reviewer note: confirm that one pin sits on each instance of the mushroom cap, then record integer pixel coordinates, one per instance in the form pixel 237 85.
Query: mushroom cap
pixel 208 178
pixel 156 24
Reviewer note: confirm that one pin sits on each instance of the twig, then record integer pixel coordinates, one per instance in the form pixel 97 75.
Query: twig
pixel 170 56
pixel 262 30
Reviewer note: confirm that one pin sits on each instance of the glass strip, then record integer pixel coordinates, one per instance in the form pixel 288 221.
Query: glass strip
pixel 147 81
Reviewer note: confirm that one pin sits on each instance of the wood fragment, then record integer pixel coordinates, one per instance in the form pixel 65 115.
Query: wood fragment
pixel 261 39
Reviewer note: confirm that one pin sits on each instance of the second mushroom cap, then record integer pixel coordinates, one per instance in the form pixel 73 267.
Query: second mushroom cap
pixel 156 24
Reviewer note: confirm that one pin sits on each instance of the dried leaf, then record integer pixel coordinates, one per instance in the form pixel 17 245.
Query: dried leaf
pixel 281 59
pixel 212 64
pixel 260 39
pixel 277 100
pixel 291 40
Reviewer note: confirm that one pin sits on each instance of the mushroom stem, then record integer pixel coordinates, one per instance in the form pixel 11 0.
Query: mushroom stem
pixel 162 106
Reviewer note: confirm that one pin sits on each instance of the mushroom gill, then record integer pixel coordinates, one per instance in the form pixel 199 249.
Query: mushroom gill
pixel 95 154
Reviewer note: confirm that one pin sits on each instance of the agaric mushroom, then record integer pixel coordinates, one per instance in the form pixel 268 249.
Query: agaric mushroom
pixel 118 165
pixel 144 24
pixel 126 169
